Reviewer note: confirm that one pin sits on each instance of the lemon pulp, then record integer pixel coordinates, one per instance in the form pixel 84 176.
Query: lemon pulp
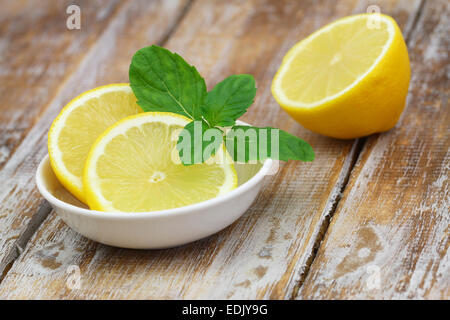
pixel 134 167
pixel 348 79
pixel 332 61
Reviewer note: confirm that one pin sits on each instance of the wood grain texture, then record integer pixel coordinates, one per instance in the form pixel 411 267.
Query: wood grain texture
pixel 262 255
pixel 92 65
pixel 389 238
pixel 37 53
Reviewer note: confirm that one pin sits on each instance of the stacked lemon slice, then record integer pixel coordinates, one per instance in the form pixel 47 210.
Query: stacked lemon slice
pixel 114 158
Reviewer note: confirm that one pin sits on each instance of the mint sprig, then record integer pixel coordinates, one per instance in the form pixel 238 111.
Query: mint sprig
pixel 164 81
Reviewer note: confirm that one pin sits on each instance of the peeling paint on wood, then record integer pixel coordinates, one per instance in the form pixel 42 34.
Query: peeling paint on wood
pixel 37 52
pixel 264 254
pixel 19 198
pixel 389 238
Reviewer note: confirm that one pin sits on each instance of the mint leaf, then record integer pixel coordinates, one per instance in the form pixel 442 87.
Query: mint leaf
pixel 197 142
pixel 294 148
pixel 229 100
pixel 247 143
pixel 163 81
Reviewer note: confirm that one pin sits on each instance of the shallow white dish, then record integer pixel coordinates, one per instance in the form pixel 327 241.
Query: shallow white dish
pixel 157 229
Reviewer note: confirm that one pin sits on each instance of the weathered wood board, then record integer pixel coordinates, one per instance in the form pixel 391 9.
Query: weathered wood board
pixel 37 53
pixel 389 237
pixel 265 253
pixel 84 63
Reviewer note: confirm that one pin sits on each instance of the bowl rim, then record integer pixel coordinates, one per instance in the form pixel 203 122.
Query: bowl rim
pixel 260 174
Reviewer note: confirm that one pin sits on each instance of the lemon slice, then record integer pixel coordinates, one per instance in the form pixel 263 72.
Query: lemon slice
pixel 134 167
pixel 79 124
pixel 348 79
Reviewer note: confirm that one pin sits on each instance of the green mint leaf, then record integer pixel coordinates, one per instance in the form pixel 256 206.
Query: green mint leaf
pixel 163 81
pixel 294 148
pixel 197 142
pixel 247 143
pixel 229 100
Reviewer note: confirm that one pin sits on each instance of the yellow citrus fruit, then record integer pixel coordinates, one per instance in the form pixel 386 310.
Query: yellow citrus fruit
pixel 79 124
pixel 348 79
pixel 134 167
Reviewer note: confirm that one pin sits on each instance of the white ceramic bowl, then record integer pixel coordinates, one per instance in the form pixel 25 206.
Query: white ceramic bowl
pixel 157 229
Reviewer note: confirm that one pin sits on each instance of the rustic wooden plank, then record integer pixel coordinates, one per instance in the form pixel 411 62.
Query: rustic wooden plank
pixel 37 53
pixel 264 253
pixel 137 23
pixel 389 237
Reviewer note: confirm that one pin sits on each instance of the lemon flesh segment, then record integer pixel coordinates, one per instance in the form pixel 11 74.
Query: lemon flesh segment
pixel 134 167
pixel 332 61
pixel 79 124
pixel 337 81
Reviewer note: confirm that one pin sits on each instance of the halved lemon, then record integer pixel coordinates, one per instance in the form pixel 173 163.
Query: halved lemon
pixel 348 79
pixel 134 167
pixel 79 124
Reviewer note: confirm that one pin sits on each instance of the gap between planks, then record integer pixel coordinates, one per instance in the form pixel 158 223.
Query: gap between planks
pixel 45 208
pixel 351 160
pixel 345 175
pixel 333 201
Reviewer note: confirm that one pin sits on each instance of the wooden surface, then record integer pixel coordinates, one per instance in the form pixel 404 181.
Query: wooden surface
pixel 386 195
pixel 394 216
